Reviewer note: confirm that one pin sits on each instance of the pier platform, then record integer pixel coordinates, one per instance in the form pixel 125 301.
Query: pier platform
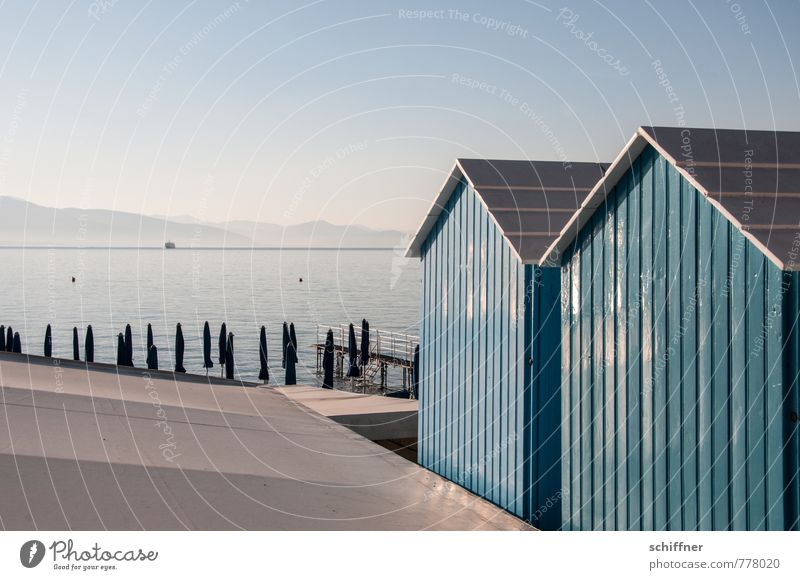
pixel 387 350
pixel 87 448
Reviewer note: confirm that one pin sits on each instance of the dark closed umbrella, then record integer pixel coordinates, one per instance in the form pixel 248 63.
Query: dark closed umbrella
pixel 263 374
pixel 207 362
pixel 149 337
pixel 2 337
pixel 223 337
pixel 17 343
pixel 89 345
pixel 179 345
pixel 152 358
pixel 291 358
pixel 48 341
pixel 327 361
pixel 293 340
pixel 120 350
pixel 76 351
pixel 229 364
pixel 364 342
pixel 415 374
pixel 128 345
pixel 9 339
pixel 284 344
pixel 352 353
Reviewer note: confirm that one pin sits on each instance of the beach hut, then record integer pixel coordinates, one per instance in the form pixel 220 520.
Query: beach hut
pixel 679 339
pixel 489 355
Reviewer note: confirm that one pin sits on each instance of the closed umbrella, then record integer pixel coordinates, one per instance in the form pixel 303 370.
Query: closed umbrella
pixel 17 343
pixel 179 349
pixel 352 353
pixel 2 337
pixel 149 336
pixel 48 342
pixel 415 374
pixel 128 345
pixel 293 340
pixel 364 342
pixel 120 350
pixel 327 361
pixel 9 339
pixel 284 344
pixel 229 364
pixel 223 337
pixel 207 362
pixel 263 374
pixel 152 358
pixel 76 351
pixel 89 345
pixel 291 358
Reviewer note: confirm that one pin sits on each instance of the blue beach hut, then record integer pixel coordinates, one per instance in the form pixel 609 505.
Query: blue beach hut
pixel 489 355
pixel 680 348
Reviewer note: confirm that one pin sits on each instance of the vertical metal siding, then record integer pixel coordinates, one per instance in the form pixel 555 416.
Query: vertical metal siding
pixel 488 421
pixel 788 434
pixel 680 357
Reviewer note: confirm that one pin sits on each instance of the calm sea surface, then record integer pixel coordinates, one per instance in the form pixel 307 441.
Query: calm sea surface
pixel 244 288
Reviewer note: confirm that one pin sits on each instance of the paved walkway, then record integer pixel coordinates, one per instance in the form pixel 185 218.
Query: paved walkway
pixel 95 449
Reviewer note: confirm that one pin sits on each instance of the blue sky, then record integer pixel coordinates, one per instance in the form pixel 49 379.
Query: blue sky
pixel 354 111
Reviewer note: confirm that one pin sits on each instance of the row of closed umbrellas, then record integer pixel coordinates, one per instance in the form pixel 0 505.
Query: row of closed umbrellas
pixel 10 341
pixel 358 357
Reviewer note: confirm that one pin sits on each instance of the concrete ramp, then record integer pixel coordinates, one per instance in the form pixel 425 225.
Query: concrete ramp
pixel 86 448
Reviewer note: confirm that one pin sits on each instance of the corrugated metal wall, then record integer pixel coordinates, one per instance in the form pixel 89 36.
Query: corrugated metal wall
pixel 489 400
pixel 674 406
pixel 472 382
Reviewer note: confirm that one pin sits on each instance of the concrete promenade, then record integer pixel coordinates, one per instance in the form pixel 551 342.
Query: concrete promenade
pixel 97 449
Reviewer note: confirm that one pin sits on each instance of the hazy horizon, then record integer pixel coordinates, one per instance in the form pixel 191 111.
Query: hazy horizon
pixel 194 219
pixel 351 112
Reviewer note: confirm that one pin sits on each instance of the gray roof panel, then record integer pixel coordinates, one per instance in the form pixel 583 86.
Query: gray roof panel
pixel 727 145
pixel 531 201
pixel 770 180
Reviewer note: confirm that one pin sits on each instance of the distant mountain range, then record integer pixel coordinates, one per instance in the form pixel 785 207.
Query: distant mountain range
pixel 23 223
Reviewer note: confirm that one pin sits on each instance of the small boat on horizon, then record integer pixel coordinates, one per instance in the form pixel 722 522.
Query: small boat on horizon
pixel 169 246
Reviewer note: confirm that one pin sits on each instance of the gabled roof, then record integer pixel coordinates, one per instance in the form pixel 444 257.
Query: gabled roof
pixel 530 201
pixel 750 177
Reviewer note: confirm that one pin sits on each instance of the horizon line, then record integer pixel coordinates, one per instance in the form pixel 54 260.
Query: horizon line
pixel 293 248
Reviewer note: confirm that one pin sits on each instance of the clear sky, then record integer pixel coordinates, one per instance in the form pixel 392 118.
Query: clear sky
pixel 354 111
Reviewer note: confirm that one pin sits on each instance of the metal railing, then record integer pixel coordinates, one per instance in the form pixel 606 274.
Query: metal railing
pixel 386 348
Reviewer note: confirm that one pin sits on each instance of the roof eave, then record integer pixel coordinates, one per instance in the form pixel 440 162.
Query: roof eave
pixel 596 197
pixel 714 203
pixel 623 162
pixel 414 249
pixel 456 175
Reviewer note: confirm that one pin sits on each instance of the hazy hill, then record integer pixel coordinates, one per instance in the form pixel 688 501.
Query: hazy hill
pixel 30 224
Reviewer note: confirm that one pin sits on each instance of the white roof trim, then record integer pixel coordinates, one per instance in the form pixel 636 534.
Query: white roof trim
pixel 618 168
pixel 415 247
pixel 456 174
